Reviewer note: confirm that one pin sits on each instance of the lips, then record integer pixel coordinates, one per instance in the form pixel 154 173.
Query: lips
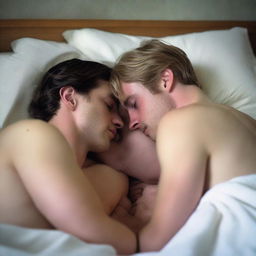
pixel 118 136
pixel 112 133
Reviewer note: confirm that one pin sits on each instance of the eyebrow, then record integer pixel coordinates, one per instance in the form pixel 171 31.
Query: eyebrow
pixel 112 97
pixel 115 99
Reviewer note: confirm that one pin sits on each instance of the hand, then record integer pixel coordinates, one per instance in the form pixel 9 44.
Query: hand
pixel 122 214
pixel 143 207
pixel 122 209
pixel 136 188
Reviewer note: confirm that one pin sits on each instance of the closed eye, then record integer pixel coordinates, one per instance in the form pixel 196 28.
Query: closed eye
pixel 110 106
pixel 131 103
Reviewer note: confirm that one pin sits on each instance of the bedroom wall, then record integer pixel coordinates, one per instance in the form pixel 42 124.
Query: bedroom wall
pixel 129 9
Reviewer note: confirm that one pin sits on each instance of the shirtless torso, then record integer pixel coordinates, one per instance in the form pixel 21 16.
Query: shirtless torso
pixel 226 137
pixel 42 186
pixel 199 146
pixel 17 206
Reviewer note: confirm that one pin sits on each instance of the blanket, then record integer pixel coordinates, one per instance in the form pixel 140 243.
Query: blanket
pixel 19 241
pixel 224 223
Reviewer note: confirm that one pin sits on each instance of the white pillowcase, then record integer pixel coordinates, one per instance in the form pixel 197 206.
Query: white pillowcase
pixel 223 60
pixel 22 70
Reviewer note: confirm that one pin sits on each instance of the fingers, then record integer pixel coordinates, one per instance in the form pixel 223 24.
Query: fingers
pixel 135 194
pixel 136 188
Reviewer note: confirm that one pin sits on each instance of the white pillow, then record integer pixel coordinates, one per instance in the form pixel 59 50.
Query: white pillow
pixel 223 60
pixel 22 70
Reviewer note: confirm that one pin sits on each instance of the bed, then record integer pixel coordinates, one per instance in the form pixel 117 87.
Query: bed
pixel 222 53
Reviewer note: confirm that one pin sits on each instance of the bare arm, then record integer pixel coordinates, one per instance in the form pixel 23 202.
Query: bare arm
pixel 110 185
pixel 183 162
pixel 61 191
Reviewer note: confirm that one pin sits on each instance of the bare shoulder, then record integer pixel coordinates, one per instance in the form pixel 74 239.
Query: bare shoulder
pixel 205 123
pixel 105 172
pixel 26 126
pixel 31 125
pixel 109 183
pixel 32 134
pixel 205 116
pixel 31 128
pixel 183 118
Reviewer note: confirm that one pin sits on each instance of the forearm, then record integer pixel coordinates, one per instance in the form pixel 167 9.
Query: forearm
pixel 106 230
pixel 156 234
pixel 163 225
pixel 121 237
pixel 109 184
pixel 150 239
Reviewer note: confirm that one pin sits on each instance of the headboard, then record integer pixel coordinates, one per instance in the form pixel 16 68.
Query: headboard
pixel 52 29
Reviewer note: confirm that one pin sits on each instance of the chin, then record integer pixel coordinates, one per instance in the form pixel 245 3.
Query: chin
pixel 153 133
pixel 152 136
pixel 104 146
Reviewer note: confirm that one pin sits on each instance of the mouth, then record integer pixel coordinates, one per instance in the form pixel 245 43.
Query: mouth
pixel 118 136
pixel 112 133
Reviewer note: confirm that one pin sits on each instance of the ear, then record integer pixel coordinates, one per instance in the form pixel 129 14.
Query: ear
pixel 67 96
pixel 167 80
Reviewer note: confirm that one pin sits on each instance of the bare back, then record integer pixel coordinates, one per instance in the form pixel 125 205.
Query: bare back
pixel 219 140
pixel 231 140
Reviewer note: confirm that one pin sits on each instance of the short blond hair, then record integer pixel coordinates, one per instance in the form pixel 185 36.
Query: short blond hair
pixel 146 63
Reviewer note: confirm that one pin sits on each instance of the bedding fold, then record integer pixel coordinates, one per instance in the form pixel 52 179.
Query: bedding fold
pixel 19 241
pixel 224 223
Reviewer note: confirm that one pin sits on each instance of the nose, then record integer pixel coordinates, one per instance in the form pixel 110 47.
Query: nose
pixel 134 122
pixel 117 121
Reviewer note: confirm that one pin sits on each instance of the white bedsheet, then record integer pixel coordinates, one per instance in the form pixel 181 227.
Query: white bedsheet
pixel 18 241
pixel 224 224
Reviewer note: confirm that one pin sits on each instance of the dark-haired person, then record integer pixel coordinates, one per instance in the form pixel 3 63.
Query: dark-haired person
pixel 43 182
pixel 204 149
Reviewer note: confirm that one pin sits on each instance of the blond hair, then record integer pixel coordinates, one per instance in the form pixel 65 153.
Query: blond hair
pixel 146 63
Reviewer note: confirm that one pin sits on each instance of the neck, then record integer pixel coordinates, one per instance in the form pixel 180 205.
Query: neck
pixel 185 95
pixel 66 125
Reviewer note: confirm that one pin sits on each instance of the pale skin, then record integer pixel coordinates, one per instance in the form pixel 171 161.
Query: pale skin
pixel 43 182
pixel 132 154
pixel 199 144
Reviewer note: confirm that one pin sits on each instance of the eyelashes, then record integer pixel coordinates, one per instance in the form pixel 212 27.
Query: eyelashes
pixel 110 106
pixel 131 104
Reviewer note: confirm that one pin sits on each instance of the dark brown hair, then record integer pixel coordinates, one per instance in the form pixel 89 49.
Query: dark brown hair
pixel 82 75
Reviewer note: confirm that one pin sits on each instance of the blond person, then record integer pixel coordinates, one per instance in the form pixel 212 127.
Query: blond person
pixel 199 143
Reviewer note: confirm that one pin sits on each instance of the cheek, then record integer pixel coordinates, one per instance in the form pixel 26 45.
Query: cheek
pixel 143 108
pixel 147 109
pixel 102 114
pixel 153 113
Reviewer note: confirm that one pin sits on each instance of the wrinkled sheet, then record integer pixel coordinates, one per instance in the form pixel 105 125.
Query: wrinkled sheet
pixel 19 241
pixel 224 223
